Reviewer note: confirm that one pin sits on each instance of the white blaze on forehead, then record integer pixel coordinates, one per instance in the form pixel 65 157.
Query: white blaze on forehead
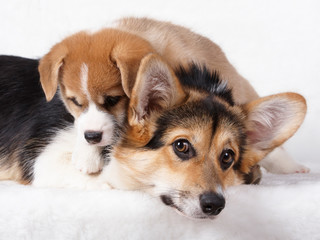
pixel 84 75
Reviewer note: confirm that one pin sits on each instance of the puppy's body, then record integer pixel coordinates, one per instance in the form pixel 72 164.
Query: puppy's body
pixel 181 47
pixel 27 121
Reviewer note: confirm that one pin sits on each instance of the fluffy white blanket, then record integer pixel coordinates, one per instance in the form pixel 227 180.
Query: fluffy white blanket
pixel 282 207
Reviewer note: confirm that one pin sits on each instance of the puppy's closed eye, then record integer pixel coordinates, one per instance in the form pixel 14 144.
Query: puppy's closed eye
pixel 75 101
pixel 111 101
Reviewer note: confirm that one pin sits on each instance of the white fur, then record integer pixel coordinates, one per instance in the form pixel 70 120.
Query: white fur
pixel 53 166
pixel 84 75
pixel 95 120
pixel 85 156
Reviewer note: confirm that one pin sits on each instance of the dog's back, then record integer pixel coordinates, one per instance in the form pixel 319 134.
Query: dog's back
pixel 27 121
pixel 182 47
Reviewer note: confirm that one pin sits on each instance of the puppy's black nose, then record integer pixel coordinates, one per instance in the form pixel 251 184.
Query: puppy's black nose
pixel 93 137
pixel 212 203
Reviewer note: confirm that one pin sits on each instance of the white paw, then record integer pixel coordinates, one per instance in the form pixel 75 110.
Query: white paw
pixel 300 169
pixel 87 159
pixel 279 161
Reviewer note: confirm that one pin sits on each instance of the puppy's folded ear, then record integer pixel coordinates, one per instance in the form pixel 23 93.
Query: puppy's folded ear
pixel 127 56
pixel 49 69
pixel 270 122
pixel 156 89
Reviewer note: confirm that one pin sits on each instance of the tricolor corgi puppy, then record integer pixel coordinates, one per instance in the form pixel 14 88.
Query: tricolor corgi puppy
pixel 185 140
pixel 180 47
pixel 93 74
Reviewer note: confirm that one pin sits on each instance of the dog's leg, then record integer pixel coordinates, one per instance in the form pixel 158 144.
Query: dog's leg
pixel 254 176
pixel 279 161
pixel 87 158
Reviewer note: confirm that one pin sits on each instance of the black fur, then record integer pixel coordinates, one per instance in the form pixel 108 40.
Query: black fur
pixel 200 78
pixel 27 120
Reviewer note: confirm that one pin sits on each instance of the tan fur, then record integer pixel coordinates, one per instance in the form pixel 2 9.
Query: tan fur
pixel 180 46
pixel 12 172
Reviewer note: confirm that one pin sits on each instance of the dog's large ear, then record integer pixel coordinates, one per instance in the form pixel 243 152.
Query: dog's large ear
pixel 156 89
pixel 49 69
pixel 270 122
pixel 127 56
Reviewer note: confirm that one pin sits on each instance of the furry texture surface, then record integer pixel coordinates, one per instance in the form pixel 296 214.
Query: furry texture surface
pixel 282 207
pixel 274 44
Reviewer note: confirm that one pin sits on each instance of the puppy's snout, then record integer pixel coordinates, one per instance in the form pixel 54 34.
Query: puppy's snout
pixel 212 203
pixel 93 137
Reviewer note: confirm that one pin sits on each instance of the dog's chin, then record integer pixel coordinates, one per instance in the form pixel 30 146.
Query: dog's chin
pixel 194 214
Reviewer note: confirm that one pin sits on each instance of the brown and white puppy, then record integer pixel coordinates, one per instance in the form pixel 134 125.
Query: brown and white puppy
pixel 179 47
pixel 94 73
pixel 185 140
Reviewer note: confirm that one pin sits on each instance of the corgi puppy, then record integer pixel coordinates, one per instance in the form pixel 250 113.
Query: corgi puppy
pixel 185 140
pixel 93 74
pixel 180 47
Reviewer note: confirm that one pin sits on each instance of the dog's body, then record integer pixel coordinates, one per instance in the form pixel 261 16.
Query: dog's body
pixel 180 47
pixel 185 137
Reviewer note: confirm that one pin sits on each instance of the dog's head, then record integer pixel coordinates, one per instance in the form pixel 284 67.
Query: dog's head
pixel 95 74
pixel 186 140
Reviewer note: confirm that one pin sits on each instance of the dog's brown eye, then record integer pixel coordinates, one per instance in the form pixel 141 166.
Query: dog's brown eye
pixel 226 158
pixel 111 101
pixel 182 146
pixel 183 149
pixel 75 102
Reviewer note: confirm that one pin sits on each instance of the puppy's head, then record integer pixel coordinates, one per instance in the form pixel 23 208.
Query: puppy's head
pixel 187 141
pixel 95 74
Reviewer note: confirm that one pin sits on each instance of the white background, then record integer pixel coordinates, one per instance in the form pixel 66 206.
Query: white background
pixel 275 44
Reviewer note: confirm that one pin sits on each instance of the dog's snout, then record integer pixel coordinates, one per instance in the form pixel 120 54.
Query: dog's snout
pixel 93 137
pixel 212 203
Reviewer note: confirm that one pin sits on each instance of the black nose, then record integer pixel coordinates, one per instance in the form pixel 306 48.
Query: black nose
pixel 93 137
pixel 212 203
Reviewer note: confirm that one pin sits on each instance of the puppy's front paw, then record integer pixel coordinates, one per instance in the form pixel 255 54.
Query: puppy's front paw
pixel 301 169
pixel 279 161
pixel 87 159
